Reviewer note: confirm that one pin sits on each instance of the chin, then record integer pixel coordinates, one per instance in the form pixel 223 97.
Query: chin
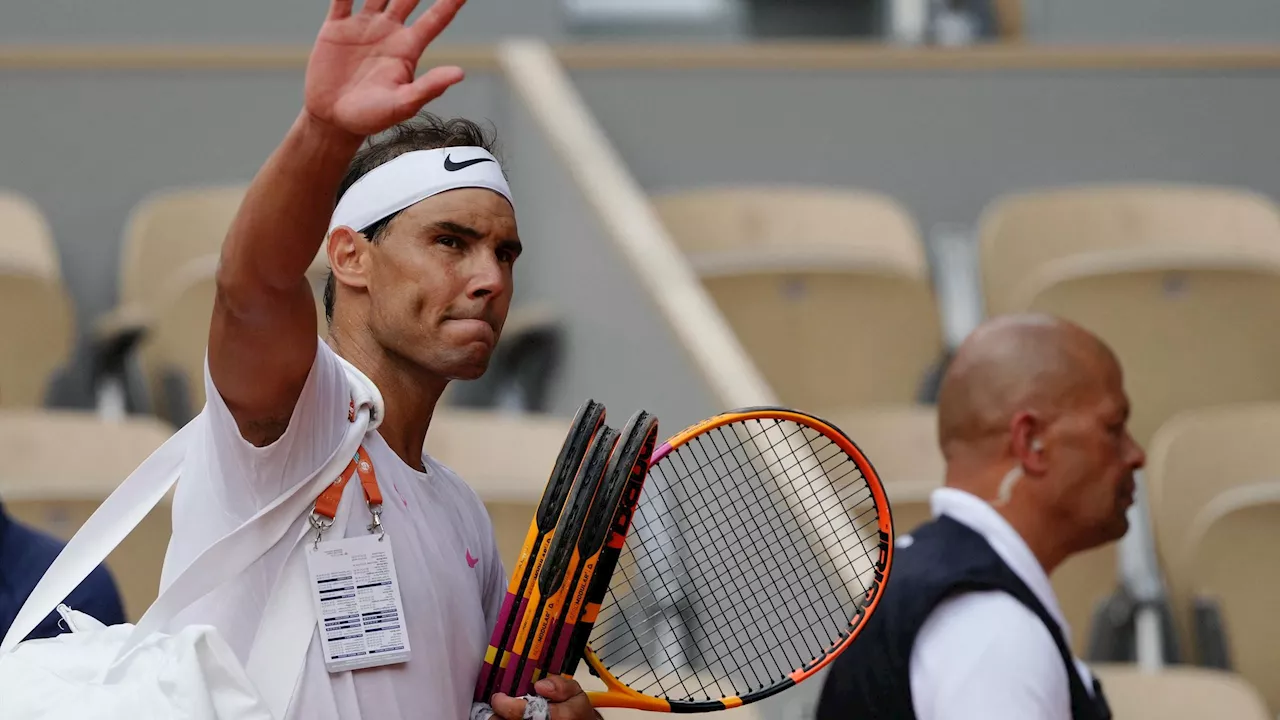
pixel 470 369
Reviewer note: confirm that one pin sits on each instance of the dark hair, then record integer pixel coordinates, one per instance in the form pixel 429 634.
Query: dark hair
pixel 424 132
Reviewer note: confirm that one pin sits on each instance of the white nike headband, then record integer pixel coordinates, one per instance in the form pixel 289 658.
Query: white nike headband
pixel 414 176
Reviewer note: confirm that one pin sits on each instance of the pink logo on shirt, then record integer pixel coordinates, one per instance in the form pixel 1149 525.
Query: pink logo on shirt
pixel 471 562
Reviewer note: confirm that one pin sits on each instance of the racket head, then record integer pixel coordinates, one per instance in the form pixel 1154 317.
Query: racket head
pixel 602 538
pixel 585 426
pixel 759 549
pixel 540 603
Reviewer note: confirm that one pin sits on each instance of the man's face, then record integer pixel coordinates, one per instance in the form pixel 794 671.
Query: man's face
pixel 1092 459
pixel 440 281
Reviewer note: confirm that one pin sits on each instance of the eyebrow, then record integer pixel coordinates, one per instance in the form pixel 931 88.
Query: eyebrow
pixel 513 246
pixel 465 231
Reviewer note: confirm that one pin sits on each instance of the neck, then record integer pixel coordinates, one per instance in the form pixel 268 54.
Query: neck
pixel 409 393
pixel 1049 549
pixel 1041 534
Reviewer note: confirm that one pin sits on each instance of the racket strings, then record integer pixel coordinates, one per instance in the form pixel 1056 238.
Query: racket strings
pixel 746 559
pixel 873 520
pixel 773 503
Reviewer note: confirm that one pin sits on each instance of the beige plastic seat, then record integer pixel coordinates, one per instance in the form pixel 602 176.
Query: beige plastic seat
pixel 167 267
pixel 1233 559
pixel 60 465
pixel 1020 233
pixel 1183 283
pixel 509 482
pixel 36 316
pixel 1194 458
pixel 827 289
pixel 1178 693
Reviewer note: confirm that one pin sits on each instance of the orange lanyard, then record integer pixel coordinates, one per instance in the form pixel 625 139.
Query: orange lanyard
pixel 327 503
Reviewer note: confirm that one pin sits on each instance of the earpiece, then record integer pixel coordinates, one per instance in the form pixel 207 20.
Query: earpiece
pixel 1037 445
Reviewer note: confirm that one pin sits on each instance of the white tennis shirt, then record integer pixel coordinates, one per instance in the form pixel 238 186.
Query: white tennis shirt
pixel 451 578
pixel 984 654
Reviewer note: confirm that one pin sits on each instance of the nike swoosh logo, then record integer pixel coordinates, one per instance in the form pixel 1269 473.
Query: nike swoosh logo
pixel 471 562
pixel 452 166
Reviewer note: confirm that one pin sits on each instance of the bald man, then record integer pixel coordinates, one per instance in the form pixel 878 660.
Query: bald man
pixel 1032 420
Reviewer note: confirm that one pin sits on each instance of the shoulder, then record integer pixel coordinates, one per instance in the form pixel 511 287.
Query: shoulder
pixel 982 645
pixel 28 551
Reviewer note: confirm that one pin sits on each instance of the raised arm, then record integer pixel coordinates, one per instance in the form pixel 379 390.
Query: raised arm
pixel 360 81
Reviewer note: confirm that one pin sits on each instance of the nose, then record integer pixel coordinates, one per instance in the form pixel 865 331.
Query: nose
pixel 487 277
pixel 1138 456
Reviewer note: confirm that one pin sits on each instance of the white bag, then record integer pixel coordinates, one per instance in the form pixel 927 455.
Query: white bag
pixel 97 672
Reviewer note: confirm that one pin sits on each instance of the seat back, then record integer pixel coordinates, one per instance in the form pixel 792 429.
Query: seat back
pixel 37 319
pixel 169 229
pixel 1195 457
pixel 1233 558
pixel 828 290
pixel 1020 233
pixel 1178 693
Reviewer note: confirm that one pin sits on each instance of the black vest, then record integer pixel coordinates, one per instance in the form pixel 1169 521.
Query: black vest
pixel 871 679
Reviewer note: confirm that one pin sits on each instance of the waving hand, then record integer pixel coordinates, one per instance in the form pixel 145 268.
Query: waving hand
pixel 360 77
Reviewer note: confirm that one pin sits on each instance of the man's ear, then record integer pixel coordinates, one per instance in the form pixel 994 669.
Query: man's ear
pixel 1026 440
pixel 348 253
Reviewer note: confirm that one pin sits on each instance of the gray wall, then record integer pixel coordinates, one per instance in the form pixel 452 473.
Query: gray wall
pixel 1153 21
pixel 943 143
pixel 241 21
pixel 296 21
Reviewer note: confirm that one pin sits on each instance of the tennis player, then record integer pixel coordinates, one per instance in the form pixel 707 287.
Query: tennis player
pixel 421 244
pixel 1032 420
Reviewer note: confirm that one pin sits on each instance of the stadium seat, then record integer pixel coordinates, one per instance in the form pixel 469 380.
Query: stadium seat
pixel 1194 458
pixel 36 314
pixel 1154 272
pixel 160 329
pixel 1178 693
pixel 60 465
pixel 827 289
pixel 1021 232
pixel 1232 563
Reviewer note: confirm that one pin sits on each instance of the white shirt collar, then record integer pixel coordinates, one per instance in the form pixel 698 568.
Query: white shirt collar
pixel 977 515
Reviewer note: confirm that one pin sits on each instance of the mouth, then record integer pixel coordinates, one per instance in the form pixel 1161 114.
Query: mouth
pixel 474 327
pixel 1126 494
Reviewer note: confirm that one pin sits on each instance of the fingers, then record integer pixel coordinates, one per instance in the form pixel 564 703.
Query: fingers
pixel 433 22
pixel 400 9
pixel 373 6
pixel 339 9
pixel 557 688
pixel 426 88
pixel 507 707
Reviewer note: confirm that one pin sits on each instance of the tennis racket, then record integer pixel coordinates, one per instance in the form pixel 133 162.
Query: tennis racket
pixel 586 423
pixel 546 596
pixel 608 521
pixel 760 546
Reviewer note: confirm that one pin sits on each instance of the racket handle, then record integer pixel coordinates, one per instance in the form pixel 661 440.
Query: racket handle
pixel 490 670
